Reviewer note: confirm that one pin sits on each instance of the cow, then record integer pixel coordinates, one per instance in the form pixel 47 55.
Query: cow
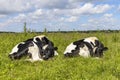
pixel 87 47
pixel 37 48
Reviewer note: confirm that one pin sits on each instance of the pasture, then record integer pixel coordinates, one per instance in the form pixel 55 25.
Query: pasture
pixel 59 67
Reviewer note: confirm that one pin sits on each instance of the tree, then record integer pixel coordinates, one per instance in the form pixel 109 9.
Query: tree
pixel 59 30
pixel 25 28
pixel 45 30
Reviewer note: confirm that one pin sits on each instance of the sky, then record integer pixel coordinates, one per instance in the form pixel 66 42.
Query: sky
pixel 63 15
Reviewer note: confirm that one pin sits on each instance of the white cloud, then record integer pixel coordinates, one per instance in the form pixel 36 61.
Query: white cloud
pixel 119 8
pixel 106 18
pixel 6 23
pixel 72 19
pixel 86 9
pixel 108 15
pixel 69 19
pixel 18 19
pixel 107 21
pixel 88 0
pixel 52 3
pixel 58 15
pixel 3 16
pixel 89 8
pixel 36 14
pixel 12 6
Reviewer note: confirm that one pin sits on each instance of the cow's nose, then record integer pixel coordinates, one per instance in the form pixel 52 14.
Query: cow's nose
pixel 11 57
pixel 45 58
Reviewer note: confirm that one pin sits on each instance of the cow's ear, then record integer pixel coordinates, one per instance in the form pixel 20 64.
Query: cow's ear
pixel 55 48
pixel 105 48
pixel 38 40
pixel 97 43
pixel 78 42
pixel 30 44
pixel 45 40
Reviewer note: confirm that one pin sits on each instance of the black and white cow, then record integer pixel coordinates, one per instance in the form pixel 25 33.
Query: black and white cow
pixel 37 48
pixel 86 47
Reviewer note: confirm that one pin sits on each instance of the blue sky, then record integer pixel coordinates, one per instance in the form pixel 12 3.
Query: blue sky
pixel 65 15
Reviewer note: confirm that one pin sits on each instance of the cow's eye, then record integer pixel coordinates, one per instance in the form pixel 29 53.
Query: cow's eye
pixel 42 52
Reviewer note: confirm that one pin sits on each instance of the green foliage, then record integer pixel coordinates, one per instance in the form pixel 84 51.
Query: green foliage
pixel 59 67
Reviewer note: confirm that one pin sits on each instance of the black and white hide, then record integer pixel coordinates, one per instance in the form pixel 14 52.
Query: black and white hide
pixel 86 47
pixel 37 48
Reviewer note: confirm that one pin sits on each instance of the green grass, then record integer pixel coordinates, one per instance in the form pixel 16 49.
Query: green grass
pixel 59 67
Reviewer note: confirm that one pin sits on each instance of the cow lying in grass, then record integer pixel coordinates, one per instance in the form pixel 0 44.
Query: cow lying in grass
pixel 37 48
pixel 90 46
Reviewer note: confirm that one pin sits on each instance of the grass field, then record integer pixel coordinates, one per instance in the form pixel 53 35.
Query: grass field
pixel 59 67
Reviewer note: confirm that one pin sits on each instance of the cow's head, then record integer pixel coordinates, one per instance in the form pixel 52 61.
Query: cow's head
pixel 99 49
pixel 49 51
